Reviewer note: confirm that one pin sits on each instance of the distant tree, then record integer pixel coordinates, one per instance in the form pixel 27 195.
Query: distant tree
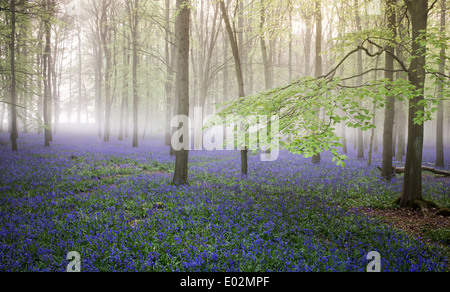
pixel 239 74
pixel 359 80
pixel 316 159
pixel 133 16
pixel 47 72
pixel 12 51
pixel 104 10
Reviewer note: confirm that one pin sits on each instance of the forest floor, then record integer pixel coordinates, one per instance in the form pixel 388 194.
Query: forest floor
pixel 428 226
pixel 117 207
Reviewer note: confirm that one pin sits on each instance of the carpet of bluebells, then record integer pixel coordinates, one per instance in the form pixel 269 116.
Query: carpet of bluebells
pixel 117 207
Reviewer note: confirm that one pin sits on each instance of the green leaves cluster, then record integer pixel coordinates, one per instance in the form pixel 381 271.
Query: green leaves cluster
pixel 311 109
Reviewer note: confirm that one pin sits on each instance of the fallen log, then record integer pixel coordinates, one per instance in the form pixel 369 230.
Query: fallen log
pixel 401 170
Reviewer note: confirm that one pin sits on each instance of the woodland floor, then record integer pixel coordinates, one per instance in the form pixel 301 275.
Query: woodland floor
pixel 118 208
pixel 424 225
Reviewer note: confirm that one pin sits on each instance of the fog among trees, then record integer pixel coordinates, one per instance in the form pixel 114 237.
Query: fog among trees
pixel 224 136
pixel 371 75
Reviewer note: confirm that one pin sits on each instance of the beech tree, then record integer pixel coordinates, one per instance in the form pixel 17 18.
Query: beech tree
pixel 440 114
pixel 389 113
pixel 182 84
pixel 239 74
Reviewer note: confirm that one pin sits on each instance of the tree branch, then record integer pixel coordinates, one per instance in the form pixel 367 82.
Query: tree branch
pixel 12 104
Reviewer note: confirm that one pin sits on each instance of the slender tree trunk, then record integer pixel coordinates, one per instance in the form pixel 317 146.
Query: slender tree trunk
pixel 80 66
pixel 2 117
pixel 374 121
pixel 401 117
pixel 98 80
pixel 126 64
pixel 40 106
pixel 134 22
pixel 169 90
pixel 55 77
pixel 182 83
pixel 316 159
pixel 440 114
pixel 401 128
pixel 239 75
pixel 291 37
pixel 105 39
pixel 14 130
pixel 360 134
pixel 226 91
pixel 344 139
pixel 266 62
pixel 307 50
pixel 388 134
pixel 47 78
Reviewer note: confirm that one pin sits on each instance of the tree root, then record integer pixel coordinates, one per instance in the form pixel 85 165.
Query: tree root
pixel 444 212
pixel 423 205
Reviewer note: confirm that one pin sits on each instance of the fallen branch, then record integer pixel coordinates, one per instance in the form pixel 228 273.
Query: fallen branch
pixel 401 170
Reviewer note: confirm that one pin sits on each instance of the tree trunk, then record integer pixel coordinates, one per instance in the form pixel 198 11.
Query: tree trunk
pixel 134 22
pixel 291 37
pixel 14 130
pixel 47 78
pixel 307 51
pixel 389 115
pixel 2 117
pixel 316 159
pixel 360 134
pixel 105 39
pixel 401 128
pixel 126 64
pixel 182 83
pixel 40 106
pixel 169 91
pixel 265 57
pixel 440 114
pixel 412 185
pixel 80 66
pixel 239 75
pixel 98 80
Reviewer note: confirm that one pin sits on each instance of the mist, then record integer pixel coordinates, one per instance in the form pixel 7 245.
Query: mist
pixel 269 110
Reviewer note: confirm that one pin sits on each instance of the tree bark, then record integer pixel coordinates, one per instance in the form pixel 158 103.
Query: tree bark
pixel 80 67
pixel 316 159
pixel 47 76
pixel 440 114
pixel 239 75
pixel 134 22
pixel 2 117
pixel 360 134
pixel 412 185
pixel 105 39
pixel 14 130
pixel 266 62
pixel 126 64
pixel 389 114
pixel 182 83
